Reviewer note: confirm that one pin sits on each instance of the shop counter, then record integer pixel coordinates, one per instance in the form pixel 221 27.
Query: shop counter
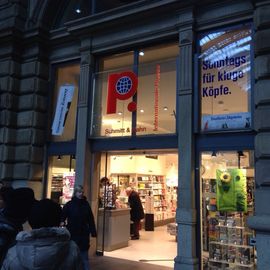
pixel 117 228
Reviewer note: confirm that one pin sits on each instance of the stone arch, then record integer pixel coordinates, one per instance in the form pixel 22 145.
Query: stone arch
pixel 43 13
pixel 48 13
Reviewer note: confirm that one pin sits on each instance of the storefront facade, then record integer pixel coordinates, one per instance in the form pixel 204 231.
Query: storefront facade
pixel 146 76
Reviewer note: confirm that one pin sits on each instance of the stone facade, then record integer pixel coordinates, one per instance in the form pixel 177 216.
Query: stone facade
pixel 261 221
pixel 24 86
pixel 29 47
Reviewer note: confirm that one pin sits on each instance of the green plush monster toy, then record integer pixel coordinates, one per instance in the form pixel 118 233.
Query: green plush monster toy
pixel 231 190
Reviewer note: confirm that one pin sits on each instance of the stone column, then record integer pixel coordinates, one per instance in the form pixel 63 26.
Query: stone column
pixel 82 146
pixel 9 89
pixel 24 86
pixel 260 222
pixel 10 67
pixel 186 211
pixel 32 122
pixel 83 151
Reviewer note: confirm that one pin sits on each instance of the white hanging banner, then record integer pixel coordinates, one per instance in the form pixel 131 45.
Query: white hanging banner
pixel 63 103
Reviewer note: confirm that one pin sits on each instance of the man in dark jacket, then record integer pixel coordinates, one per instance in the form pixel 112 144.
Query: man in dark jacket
pixel 136 212
pixel 80 222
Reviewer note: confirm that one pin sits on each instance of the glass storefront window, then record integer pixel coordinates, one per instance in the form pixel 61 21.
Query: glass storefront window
pixel 64 113
pixel 225 83
pixel 157 90
pixel 150 108
pixel 156 98
pixel 61 175
pixel 227 200
pixel 118 123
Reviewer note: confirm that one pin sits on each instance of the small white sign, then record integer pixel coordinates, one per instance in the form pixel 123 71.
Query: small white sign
pixel 226 121
pixel 63 103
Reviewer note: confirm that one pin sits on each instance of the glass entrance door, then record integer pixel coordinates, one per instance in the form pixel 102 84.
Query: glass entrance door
pixel 154 176
pixel 151 174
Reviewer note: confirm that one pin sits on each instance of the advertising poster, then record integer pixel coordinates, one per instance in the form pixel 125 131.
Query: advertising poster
pixel 226 121
pixel 63 103
pixel 231 190
pixel 68 186
pixel 225 80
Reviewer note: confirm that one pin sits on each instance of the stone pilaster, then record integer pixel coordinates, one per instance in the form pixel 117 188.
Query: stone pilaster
pixel 260 222
pixel 32 117
pixel 23 105
pixel 12 17
pixel 82 147
pixel 186 211
pixel 9 87
pixel 83 150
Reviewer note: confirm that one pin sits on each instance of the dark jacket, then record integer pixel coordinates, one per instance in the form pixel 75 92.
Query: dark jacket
pixel 80 221
pixel 8 232
pixel 136 212
pixel 43 249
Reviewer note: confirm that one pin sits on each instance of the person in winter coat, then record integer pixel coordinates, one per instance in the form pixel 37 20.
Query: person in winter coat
pixel 4 195
pixel 136 212
pixel 80 222
pixel 46 246
pixel 17 205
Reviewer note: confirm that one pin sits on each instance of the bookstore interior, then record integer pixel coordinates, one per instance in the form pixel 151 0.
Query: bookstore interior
pixel 227 200
pixel 153 176
pixel 61 175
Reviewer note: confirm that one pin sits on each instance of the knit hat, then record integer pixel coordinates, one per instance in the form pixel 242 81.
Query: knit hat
pixel 45 213
pixel 19 203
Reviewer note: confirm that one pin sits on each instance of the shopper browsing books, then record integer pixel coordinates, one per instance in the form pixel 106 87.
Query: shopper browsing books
pixel 136 212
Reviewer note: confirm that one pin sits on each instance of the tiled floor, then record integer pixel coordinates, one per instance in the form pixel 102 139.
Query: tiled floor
pixel 154 251
pixel 109 263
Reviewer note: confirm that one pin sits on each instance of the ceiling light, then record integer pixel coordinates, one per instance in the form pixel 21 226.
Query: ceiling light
pixel 141 53
pixel 119 113
pixel 165 108
pixel 109 121
pixel 141 110
pixel 78 10
pixel 214 154
pixel 59 157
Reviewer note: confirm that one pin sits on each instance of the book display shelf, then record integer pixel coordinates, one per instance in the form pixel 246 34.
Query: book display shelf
pixel 156 197
pixel 226 238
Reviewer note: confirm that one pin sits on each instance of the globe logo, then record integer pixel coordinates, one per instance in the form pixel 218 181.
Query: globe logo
pixel 123 85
